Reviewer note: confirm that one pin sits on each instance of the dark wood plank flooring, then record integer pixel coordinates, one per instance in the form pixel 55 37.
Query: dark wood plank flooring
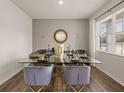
pixel 100 82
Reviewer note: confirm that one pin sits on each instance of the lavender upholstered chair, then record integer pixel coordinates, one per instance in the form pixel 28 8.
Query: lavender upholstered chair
pixel 76 75
pixel 38 76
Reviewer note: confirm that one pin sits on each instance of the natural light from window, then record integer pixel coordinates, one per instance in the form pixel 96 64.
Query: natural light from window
pixel 111 33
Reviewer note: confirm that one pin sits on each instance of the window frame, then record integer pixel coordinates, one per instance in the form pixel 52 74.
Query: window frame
pixel 98 35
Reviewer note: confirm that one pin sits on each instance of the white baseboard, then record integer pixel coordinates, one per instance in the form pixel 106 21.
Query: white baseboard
pixel 110 75
pixel 10 76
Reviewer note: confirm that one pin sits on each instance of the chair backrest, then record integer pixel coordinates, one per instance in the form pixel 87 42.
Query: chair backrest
pixel 41 51
pixel 80 51
pixel 76 75
pixel 38 75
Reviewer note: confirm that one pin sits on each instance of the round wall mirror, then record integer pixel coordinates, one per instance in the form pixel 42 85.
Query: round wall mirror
pixel 60 36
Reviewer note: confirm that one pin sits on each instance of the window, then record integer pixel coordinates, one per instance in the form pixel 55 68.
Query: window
pixel 105 35
pixel 111 34
pixel 120 33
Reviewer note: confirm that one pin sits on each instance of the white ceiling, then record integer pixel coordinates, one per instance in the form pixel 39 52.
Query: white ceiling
pixel 50 9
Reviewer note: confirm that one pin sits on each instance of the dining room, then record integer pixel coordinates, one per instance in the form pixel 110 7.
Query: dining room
pixel 62 45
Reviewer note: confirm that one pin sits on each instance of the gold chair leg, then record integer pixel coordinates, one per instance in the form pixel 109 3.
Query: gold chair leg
pixel 73 88
pixel 40 89
pixel 32 89
pixel 25 88
pixel 81 88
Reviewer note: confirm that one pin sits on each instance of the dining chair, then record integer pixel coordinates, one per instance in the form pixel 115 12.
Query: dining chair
pixel 41 51
pixel 76 75
pixel 80 51
pixel 38 76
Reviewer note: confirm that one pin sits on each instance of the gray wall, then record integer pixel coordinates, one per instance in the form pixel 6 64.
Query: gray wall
pixel 77 29
pixel 15 39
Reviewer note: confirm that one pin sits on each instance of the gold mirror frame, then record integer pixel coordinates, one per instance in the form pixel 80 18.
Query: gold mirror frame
pixel 60 30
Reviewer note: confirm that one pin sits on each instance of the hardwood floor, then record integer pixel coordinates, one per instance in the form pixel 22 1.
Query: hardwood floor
pixel 100 82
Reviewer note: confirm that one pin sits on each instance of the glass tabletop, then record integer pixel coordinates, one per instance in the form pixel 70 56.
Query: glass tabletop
pixel 66 59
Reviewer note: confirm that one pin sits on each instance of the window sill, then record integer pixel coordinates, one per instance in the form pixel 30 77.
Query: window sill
pixel 110 53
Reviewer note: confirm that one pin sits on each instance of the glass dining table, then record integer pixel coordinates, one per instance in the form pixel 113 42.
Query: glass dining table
pixel 66 60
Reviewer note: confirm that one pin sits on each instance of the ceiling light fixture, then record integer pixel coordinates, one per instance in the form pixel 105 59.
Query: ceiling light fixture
pixel 60 2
